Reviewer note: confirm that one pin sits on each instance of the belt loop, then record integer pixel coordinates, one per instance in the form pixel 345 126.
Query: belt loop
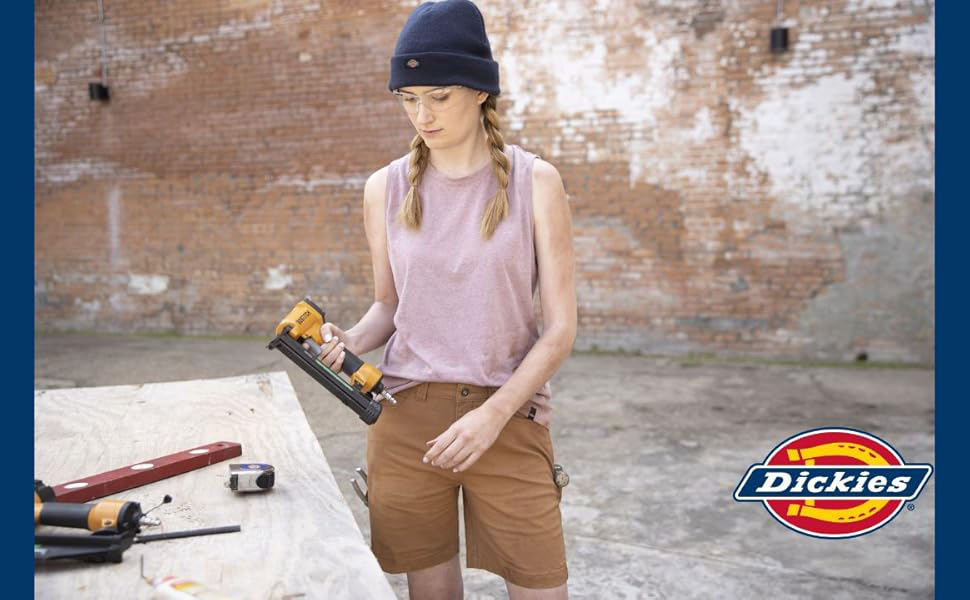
pixel 423 392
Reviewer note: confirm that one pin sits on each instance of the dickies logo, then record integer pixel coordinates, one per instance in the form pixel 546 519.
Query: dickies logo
pixel 833 483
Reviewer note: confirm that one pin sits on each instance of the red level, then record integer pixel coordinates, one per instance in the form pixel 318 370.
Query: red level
pixel 145 472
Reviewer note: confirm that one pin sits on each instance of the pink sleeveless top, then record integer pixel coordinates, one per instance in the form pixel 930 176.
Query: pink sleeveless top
pixel 466 310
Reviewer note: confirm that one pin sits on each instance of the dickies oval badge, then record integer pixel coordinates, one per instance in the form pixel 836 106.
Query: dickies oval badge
pixel 833 482
pixel 413 63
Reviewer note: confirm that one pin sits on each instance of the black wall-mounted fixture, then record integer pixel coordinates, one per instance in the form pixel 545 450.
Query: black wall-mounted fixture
pixel 779 34
pixel 98 91
pixel 779 39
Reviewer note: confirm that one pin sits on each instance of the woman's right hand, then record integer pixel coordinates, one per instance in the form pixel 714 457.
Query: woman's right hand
pixel 333 347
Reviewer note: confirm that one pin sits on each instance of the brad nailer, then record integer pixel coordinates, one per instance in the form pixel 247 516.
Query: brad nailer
pixel 362 393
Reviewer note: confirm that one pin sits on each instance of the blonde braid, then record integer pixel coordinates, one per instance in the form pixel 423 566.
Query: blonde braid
pixel 410 214
pixel 498 207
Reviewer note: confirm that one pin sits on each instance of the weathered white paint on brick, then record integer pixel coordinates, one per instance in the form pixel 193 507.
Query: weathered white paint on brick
pixel 814 167
pixel 309 184
pixel 120 302
pixel 89 310
pixel 278 278
pixel 145 68
pixel 237 29
pixel 866 5
pixel 919 40
pixel 89 278
pixel 147 285
pixel 923 86
pixel 703 127
pixel 73 170
pixel 832 147
pixel 114 227
pixel 584 78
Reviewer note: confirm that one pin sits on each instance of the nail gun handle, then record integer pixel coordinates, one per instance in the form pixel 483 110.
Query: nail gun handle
pixel 352 363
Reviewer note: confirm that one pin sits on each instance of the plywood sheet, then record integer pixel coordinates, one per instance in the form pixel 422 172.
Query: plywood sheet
pixel 299 538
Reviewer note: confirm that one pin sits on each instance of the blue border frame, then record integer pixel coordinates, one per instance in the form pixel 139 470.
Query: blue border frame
pixel 950 542
pixel 18 241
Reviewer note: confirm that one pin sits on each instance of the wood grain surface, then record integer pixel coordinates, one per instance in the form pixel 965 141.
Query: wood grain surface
pixel 298 540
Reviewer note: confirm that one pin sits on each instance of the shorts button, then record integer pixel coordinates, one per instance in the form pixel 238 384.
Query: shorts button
pixel 464 391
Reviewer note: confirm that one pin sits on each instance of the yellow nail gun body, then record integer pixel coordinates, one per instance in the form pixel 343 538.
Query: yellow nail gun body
pixel 362 393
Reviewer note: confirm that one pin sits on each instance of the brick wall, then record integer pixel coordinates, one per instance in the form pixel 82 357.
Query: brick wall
pixel 724 199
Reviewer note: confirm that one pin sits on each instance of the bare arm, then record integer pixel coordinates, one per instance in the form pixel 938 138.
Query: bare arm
pixel 554 250
pixel 376 326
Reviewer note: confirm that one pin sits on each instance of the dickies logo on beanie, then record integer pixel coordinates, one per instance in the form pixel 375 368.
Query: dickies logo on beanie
pixel 447 40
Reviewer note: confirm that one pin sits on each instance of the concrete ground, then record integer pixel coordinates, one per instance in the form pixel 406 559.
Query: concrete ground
pixel 654 448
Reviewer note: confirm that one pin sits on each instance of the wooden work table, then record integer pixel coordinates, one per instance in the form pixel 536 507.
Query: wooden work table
pixel 298 540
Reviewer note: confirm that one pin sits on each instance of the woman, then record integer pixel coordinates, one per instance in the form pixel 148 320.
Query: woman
pixel 461 231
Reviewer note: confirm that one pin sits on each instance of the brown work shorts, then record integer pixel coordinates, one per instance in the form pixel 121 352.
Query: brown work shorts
pixel 513 526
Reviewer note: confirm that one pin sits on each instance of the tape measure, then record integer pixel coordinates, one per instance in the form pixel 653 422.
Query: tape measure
pixel 251 477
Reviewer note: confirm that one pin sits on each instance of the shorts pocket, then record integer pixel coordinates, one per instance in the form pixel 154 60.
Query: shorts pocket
pixel 415 393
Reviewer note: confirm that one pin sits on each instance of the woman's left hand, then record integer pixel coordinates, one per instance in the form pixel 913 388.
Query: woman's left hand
pixel 459 446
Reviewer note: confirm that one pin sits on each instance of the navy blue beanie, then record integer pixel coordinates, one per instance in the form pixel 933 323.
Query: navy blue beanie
pixel 444 43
